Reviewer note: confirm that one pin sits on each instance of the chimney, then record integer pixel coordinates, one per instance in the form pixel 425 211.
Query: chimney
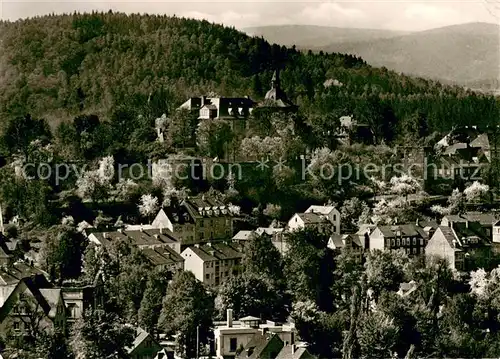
pixel 229 318
pixel 104 235
pixel 157 236
pixel 293 349
pixel 203 100
pixel 120 230
pixel 197 245
pixel 466 223
pixel 416 222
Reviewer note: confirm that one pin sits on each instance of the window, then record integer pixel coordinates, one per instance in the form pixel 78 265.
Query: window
pixel 207 276
pixel 334 217
pixel 397 242
pixel 387 243
pixel 17 325
pixel 421 241
pixel 233 344
pixel 335 228
pixel 414 241
pixel 414 250
pixel 201 223
pixel 392 242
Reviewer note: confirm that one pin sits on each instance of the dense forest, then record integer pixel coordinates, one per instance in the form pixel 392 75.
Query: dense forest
pixel 60 66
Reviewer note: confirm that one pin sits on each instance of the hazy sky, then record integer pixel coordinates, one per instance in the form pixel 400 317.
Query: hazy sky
pixel 389 14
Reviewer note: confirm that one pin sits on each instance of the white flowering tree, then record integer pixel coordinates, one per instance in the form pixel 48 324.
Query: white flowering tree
pixel 148 205
pixel 125 188
pixel 476 191
pixel 404 185
pixel 96 184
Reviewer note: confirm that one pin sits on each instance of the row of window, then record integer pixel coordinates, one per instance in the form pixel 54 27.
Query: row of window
pixel 225 263
pixel 403 241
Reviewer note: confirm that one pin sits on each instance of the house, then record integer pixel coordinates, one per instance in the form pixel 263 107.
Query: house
pixel 164 258
pixel 486 220
pixel 196 219
pixel 262 346
pixel 346 243
pixel 233 336
pixel 276 236
pixel 363 234
pixel 496 232
pixel 24 307
pixel 301 221
pixel 409 237
pixel 17 271
pixel 235 110
pixel 243 236
pixel 144 346
pixel 142 238
pixel 331 213
pixel 212 263
pixel 456 244
pixel 78 299
pixel 295 351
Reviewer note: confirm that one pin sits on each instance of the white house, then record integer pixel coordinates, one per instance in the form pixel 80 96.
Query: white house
pixel 329 212
pixel 230 335
pixel 301 221
pixel 212 263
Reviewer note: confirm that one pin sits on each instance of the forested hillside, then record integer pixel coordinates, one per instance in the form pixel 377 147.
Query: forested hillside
pixel 57 67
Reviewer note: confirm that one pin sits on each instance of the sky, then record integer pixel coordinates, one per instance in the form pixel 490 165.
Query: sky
pixel 403 15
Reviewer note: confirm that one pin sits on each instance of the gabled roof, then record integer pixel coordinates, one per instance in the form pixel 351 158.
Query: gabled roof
pixel 312 218
pixel 324 210
pixel 243 235
pixel 216 251
pixel 288 352
pixel 257 345
pixel 52 297
pixel 450 236
pixel 15 272
pixel 162 256
pixel 407 230
pixel 268 230
pixel 146 237
pixel 482 218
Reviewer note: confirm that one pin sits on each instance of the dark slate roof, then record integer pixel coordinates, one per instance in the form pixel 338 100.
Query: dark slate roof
pixel 407 230
pixel 449 235
pixel 257 345
pixel 139 238
pixel 300 353
pixel 162 256
pixel 17 271
pixel 312 218
pixel 216 251
pixel 483 218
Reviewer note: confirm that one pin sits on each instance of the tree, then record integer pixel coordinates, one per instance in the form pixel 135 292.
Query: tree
pixel 61 253
pixel 309 267
pixel 377 335
pixel 272 211
pixel 186 307
pixel 181 127
pixel 213 137
pixel 404 185
pixel 352 213
pixel 261 257
pixel 476 191
pixel 385 270
pixel 21 131
pixel 99 334
pixel 148 205
pixel 253 294
pixel 151 303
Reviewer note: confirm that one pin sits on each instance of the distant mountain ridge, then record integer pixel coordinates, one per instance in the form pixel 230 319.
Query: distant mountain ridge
pixel 466 53
pixel 304 36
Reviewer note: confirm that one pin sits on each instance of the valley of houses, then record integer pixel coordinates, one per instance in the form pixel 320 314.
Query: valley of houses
pixel 192 236
pixel 197 235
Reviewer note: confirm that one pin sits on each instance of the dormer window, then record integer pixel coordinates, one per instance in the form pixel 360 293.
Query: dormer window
pixel 230 111
pixel 240 110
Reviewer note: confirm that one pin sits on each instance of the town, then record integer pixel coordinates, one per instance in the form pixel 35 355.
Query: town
pixel 273 226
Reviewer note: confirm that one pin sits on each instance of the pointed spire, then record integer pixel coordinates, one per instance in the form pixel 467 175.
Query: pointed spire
pixel 275 81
